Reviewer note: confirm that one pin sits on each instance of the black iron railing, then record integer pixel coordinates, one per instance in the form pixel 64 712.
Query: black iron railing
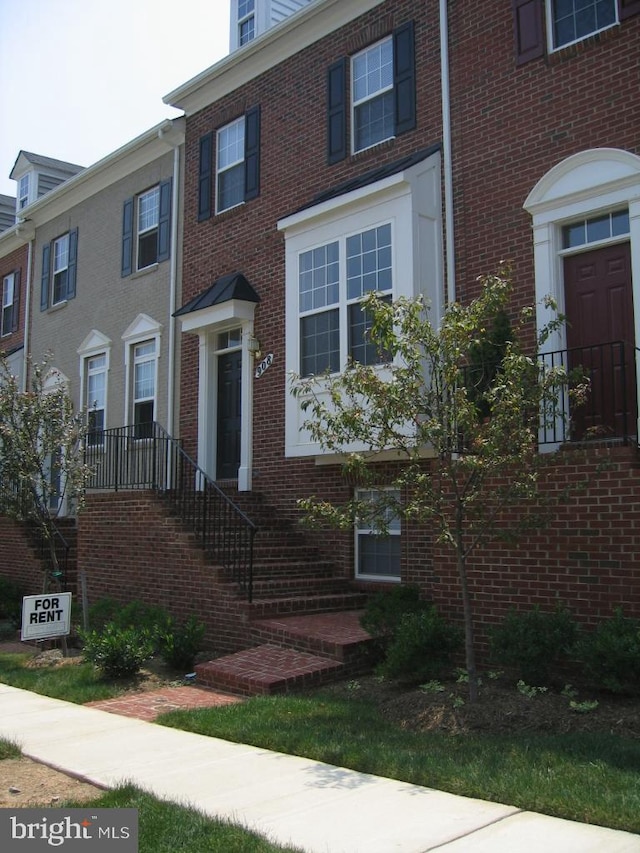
pixel 610 408
pixel 125 458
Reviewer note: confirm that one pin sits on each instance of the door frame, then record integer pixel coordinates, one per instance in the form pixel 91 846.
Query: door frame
pixel 583 185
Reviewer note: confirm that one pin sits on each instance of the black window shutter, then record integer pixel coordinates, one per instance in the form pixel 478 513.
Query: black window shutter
pixel 629 8
pixel 337 111
pixel 164 222
pixel 528 30
pixel 127 238
pixel 44 279
pixel 16 301
pixel 252 153
pixel 404 78
pixel 205 176
pixel 73 264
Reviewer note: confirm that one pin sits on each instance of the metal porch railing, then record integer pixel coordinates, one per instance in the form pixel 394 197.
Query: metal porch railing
pixel 610 410
pixel 131 458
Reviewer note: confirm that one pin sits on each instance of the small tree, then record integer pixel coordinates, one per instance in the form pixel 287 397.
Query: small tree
pixel 41 459
pixel 423 399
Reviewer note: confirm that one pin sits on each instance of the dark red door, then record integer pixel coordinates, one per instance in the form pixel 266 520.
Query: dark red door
pixel 229 415
pixel 600 338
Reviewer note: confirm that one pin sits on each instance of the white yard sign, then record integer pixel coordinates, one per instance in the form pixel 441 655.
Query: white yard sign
pixel 45 616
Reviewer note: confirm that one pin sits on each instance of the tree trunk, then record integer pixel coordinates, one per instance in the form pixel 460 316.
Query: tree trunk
pixel 469 646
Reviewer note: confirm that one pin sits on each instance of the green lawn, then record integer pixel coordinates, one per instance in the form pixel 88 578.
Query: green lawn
pixel 587 777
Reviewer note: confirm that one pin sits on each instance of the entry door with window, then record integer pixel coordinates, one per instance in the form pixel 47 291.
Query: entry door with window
pixel 601 339
pixel 229 419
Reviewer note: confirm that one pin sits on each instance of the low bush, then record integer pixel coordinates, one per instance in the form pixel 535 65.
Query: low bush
pixel 532 642
pixel 385 611
pixel 149 617
pixel 118 652
pixel 179 645
pixel 610 655
pixel 422 647
pixel 11 595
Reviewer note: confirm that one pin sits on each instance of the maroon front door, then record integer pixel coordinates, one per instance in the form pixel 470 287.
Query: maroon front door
pixel 600 338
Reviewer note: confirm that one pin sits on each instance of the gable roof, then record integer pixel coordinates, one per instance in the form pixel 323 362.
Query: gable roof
pixel 44 162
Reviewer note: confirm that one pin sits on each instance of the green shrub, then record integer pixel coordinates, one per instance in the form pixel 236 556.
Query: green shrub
pixel 611 654
pixel 179 645
pixel 135 614
pixel 118 652
pixel 532 642
pixel 422 647
pixel 11 595
pixel 385 610
pixel 103 611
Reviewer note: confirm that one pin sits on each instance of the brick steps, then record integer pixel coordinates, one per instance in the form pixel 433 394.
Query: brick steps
pixel 292 653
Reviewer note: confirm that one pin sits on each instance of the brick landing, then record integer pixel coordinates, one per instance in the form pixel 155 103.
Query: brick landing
pixel 147 705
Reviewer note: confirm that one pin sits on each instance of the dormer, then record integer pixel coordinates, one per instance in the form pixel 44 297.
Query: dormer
pixel 250 18
pixel 36 175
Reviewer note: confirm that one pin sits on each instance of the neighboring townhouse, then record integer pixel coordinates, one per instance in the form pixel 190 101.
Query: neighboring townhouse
pixel 14 277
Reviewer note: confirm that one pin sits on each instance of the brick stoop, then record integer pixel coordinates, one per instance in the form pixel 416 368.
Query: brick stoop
pixel 292 652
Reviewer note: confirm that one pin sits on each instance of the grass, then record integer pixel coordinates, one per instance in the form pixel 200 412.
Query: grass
pixel 591 778
pixel 586 777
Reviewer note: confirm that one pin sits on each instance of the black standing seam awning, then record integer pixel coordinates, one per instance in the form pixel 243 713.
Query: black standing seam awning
pixel 231 286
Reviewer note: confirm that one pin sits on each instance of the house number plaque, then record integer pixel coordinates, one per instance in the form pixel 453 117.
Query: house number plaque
pixel 264 365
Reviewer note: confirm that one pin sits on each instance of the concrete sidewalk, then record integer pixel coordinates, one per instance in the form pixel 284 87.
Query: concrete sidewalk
pixel 291 800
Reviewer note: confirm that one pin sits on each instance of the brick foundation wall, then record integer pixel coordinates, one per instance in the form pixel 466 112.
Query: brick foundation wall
pixel 18 560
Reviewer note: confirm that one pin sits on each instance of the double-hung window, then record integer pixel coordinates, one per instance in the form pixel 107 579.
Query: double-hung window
pixel 229 169
pixel 146 229
pixel 96 384
pixel 372 95
pixel 333 279
pixel 10 305
pixel 378 554
pixel 378 87
pixel 23 191
pixel 144 388
pixel 58 275
pixel 246 21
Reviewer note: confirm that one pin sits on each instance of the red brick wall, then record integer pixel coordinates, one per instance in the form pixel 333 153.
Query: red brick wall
pixel 512 123
pixel 16 261
pixel 18 560
pixel 131 549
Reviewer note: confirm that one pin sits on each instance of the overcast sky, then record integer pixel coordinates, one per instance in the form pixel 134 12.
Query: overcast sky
pixel 80 78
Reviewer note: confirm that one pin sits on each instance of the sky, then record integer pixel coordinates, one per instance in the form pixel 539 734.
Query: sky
pixel 81 78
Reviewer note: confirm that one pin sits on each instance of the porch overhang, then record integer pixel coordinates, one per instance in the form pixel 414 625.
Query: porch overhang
pixel 230 298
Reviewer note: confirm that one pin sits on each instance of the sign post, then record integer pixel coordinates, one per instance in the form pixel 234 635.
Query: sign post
pixel 46 616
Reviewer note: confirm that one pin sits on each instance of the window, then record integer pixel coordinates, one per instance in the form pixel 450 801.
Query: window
pixel 246 21
pixel 230 166
pixel 382 94
pixel 96 398
pixel 372 95
pixel 573 20
pixel 23 192
pixel 10 304
pixel 378 555
pixel 144 388
pixel 326 305
pixel 146 229
pixel 237 165
pixel 58 275
pixel 606 226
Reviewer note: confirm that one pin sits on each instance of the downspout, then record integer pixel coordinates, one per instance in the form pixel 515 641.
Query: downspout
pixel 27 318
pixel 173 286
pixel 446 153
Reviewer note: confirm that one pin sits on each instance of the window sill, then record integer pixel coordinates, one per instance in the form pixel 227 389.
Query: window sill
pixel 57 307
pixel 144 271
pixel 572 49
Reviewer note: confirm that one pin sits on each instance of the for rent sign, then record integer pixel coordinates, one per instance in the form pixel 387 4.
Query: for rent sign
pixel 45 616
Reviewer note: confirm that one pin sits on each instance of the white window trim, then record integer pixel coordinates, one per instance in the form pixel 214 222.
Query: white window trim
pixel 550 28
pixel 93 345
pixel 141 232
pixel 55 271
pixel 11 277
pixel 361 530
pixel 411 202
pixel 144 328
pixel 379 92
pixel 24 198
pixel 228 167
pixel 583 185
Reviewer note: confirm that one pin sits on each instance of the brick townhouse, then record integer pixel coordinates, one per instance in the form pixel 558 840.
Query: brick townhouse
pixel 405 147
